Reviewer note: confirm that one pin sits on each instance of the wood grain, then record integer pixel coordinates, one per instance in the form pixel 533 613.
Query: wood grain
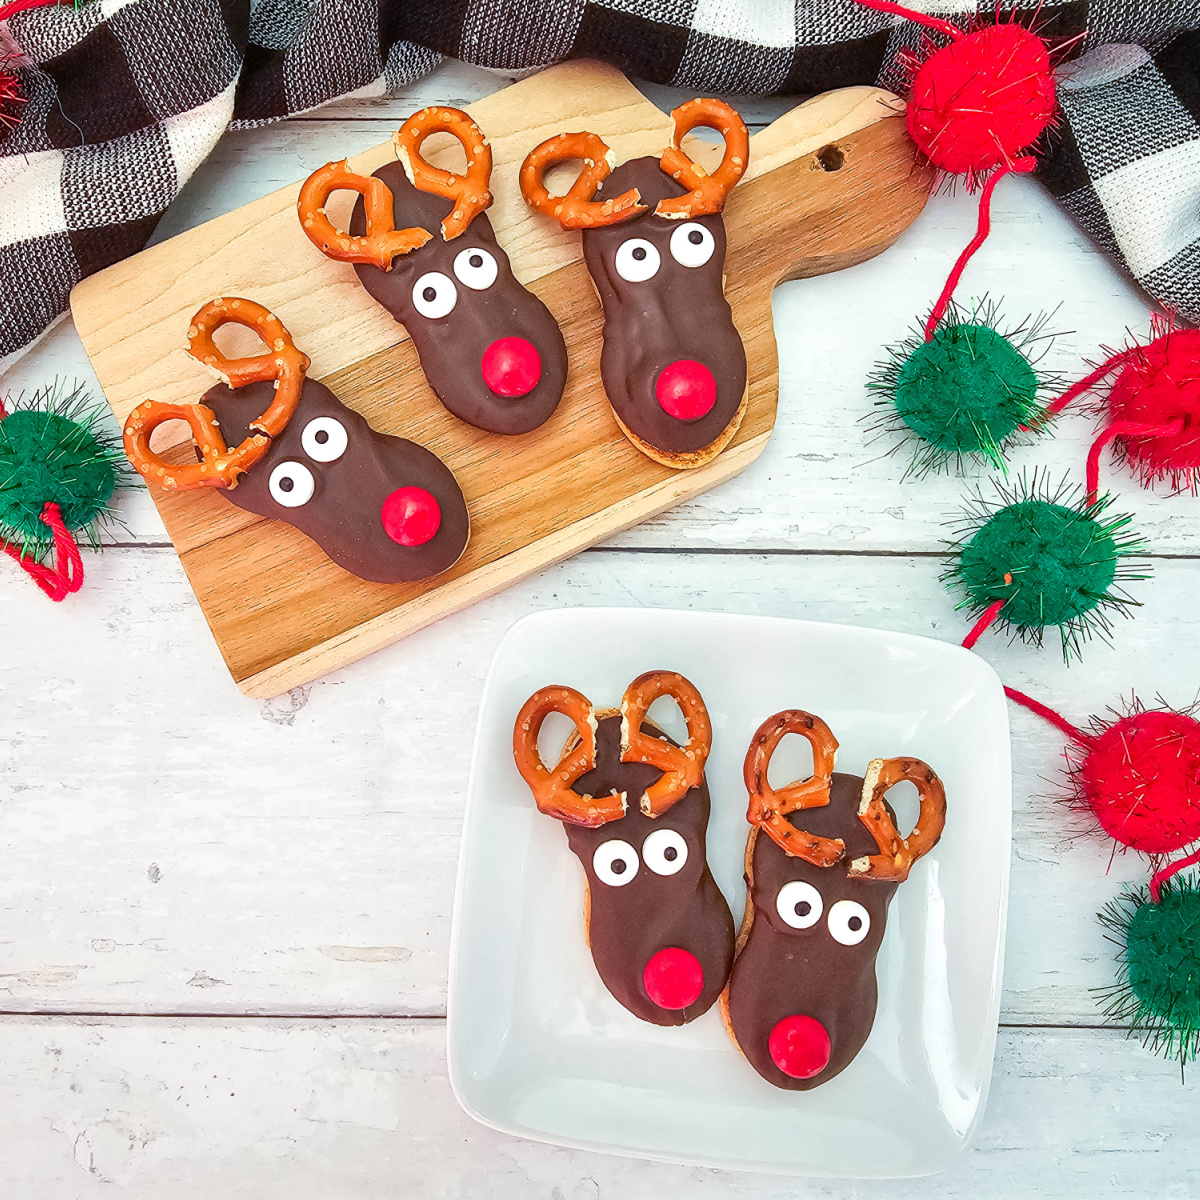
pixel 281 612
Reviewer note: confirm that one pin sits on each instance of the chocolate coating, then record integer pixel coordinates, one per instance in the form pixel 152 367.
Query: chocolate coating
pixel 451 347
pixel 343 516
pixel 679 313
pixel 631 923
pixel 781 971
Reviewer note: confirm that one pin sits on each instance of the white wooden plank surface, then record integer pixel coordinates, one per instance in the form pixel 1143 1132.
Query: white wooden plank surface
pixel 168 846
pixel 190 1109
pixel 317 833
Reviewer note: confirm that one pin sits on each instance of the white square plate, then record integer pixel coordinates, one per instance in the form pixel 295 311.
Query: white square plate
pixel 537 1045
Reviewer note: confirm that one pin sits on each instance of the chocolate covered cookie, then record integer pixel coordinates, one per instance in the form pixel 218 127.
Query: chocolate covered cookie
pixel 823 861
pixel 383 508
pixel 673 363
pixel 423 247
pixel 635 808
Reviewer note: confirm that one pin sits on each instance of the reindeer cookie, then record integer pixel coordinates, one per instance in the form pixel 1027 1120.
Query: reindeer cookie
pixel 635 808
pixel 489 349
pixel 383 508
pixel 673 364
pixel 802 994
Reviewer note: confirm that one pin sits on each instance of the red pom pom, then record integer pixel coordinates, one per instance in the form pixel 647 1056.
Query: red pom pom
pixel 1160 385
pixel 982 100
pixel 1141 777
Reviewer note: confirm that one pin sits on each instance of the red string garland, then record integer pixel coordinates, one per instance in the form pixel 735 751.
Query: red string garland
pixel 66 576
pixel 974 108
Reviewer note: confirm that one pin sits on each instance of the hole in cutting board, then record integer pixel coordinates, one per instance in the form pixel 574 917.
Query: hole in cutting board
pixel 830 158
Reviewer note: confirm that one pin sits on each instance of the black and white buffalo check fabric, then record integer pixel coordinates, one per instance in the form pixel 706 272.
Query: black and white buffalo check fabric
pixel 126 97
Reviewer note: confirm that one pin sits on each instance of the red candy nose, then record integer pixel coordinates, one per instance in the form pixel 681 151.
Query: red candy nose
pixel 673 978
pixel 800 1047
pixel 411 516
pixel 686 389
pixel 512 367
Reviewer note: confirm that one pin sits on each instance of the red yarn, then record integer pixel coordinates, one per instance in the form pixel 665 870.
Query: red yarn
pixel 1126 430
pixel 980 627
pixel 66 576
pixel 1161 876
pixel 984 227
pixel 1141 778
pixel 899 10
pixel 10 10
pixel 1048 714
pixel 1088 381
pixel 980 102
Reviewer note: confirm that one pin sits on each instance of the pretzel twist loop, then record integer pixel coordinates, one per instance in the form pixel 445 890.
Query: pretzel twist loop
pixel 706 193
pixel 682 766
pixel 552 789
pixel 769 806
pixel 470 191
pixel 577 208
pixel 219 466
pixel 897 854
pixel 381 244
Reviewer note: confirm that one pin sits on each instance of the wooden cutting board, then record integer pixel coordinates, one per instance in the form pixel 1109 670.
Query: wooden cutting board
pixel 830 184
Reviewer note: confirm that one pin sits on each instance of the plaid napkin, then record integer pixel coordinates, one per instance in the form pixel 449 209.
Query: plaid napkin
pixel 126 97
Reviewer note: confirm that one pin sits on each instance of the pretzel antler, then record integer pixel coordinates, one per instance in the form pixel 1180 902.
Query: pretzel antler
pixel 382 242
pixel 552 789
pixel 707 193
pixel 898 854
pixel 682 766
pixel 576 209
pixel 219 466
pixel 769 807
pixel 470 191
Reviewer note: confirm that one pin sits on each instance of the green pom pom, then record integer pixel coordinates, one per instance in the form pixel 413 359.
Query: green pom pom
pixel 968 393
pixel 1054 559
pixel 1158 990
pixel 51 449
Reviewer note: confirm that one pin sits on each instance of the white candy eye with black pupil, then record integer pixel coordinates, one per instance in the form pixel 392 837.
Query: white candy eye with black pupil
pixel 476 268
pixel 637 260
pixel 615 862
pixel 799 904
pixel 434 295
pixel 324 439
pixel 849 922
pixel 291 484
pixel 692 245
pixel 665 851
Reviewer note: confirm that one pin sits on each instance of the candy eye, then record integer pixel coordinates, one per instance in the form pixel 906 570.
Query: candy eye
pixel 799 904
pixel 692 245
pixel 291 484
pixel 434 295
pixel 849 922
pixel 665 851
pixel 324 439
pixel 637 260
pixel 476 268
pixel 615 862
